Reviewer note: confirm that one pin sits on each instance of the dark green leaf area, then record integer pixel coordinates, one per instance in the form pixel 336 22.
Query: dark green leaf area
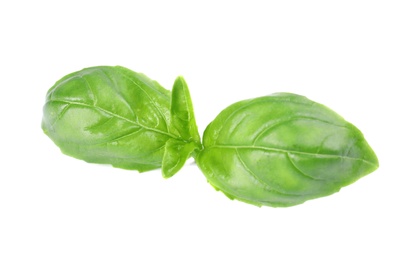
pixel 109 115
pixel 281 150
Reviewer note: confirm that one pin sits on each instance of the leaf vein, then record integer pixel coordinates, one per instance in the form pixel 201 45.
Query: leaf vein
pixel 300 171
pixel 148 96
pixel 265 184
pixel 61 114
pixel 114 115
pixel 291 119
pixel 119 94
pixel 278 150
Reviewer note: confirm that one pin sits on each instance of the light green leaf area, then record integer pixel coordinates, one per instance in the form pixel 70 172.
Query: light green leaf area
pixel 109 115
pixel 175 156
pixel 182 124
pixel 281 150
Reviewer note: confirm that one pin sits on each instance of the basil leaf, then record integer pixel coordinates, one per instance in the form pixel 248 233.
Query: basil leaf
pixel 109 115
pixel 182 124
pixel 175 156
pixel 281 150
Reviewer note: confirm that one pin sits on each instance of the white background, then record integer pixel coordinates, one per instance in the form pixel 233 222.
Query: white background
pixel 353 56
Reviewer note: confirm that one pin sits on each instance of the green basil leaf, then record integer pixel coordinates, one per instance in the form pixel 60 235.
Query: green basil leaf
pixel 109 115
pixel 175 156
pixel 281 150
pixel 183 125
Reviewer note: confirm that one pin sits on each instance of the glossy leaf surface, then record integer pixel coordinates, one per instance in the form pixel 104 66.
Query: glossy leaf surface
pixel 281 150
pixel 109 115
pixel 182 124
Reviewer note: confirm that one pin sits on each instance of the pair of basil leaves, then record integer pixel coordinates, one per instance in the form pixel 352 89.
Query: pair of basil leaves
pixel 278 150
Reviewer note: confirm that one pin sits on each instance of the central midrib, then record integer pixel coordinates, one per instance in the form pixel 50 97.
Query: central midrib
pixel 115 115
